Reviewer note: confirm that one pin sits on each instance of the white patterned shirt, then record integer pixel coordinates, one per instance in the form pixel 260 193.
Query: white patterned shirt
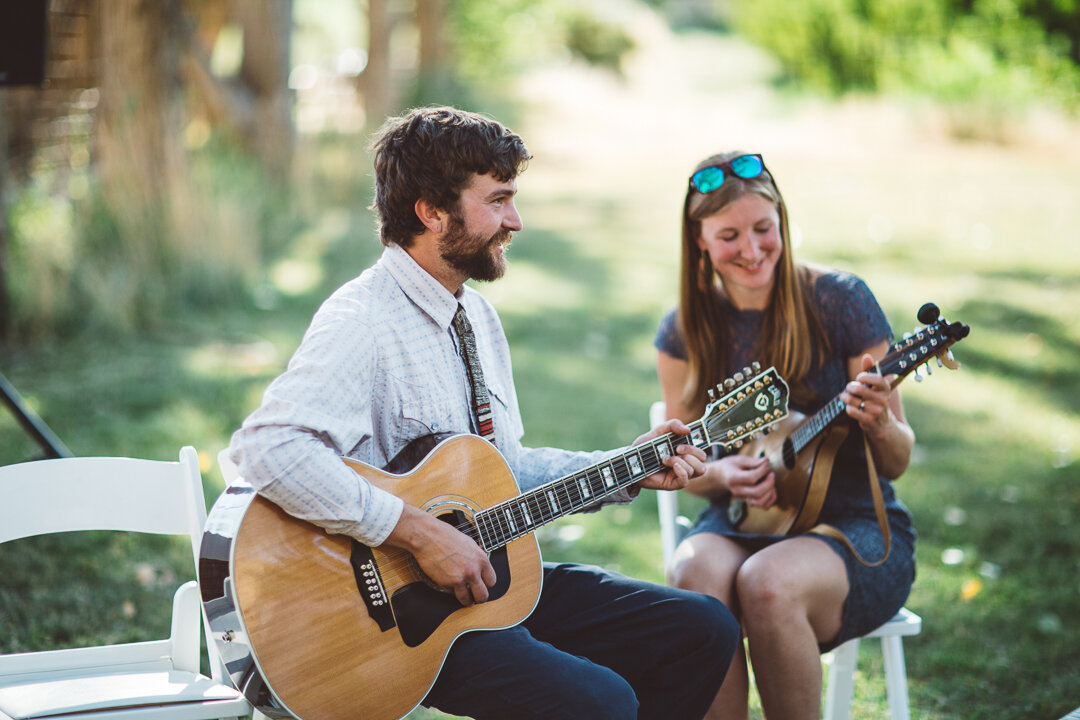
pixel 378 367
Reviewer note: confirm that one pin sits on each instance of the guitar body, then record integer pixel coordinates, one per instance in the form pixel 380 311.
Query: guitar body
pixel 321 627
pixel 801 479
pixel 318 642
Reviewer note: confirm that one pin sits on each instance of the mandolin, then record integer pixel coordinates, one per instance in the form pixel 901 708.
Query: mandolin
pixel 801 449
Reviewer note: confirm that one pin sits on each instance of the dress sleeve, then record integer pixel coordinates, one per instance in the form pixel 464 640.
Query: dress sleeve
pixel 851 313
pixel 668 336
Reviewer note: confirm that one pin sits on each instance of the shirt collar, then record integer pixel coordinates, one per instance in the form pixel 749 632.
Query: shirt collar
pixel 420 286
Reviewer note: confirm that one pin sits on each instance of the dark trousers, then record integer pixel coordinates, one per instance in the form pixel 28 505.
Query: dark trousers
pixel 598 645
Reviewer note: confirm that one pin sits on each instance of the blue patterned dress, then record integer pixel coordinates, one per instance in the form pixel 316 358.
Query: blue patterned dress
pixel 853 322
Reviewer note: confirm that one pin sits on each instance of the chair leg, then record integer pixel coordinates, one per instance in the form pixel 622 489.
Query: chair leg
pixel 841 685
pixel 892 648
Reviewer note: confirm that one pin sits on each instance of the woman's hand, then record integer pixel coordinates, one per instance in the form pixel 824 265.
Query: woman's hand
pixel 749 479
pixel 868 400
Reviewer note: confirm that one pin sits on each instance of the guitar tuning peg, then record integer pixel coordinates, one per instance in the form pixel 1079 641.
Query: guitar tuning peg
pixel 728 384
pixel 928 370
pixel 917 376
pixel 757 366
pixel 712 395
pixel 747 371
pixel 739 377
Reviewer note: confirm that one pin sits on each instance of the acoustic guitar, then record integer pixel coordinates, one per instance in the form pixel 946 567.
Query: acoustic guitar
pixel 321 627
pixel 801 450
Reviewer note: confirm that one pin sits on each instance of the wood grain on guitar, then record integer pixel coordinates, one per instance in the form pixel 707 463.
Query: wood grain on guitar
pixel 325 628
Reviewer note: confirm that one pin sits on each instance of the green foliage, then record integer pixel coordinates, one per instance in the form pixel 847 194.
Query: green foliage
pixel 988 60
pixel 496 39
pixel 75 263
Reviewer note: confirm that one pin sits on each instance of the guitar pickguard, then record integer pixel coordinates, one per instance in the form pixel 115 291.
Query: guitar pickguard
pixel 420 609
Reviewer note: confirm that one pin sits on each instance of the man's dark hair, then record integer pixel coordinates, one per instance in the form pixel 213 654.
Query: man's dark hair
pixel 432 153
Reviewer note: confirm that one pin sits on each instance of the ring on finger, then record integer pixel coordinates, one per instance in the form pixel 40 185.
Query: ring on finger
pixel 862 405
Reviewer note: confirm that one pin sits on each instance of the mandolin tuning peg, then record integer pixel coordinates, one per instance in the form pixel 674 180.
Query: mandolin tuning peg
pixel 918 377
pixel 747 371
pixel 739 377
pixel 928 370
pixel 712 395
pixel 757 366
pixel 729 384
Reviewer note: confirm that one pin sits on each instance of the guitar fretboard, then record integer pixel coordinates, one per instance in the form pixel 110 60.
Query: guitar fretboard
pixel 500 524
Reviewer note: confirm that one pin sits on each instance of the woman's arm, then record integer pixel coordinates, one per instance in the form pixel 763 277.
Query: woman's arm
pixel 878 409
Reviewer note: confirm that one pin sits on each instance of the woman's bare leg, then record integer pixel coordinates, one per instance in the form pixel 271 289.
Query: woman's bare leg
pixel 708 563
pixel 791 597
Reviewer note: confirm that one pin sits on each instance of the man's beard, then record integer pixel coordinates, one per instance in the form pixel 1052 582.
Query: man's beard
pixel 472 254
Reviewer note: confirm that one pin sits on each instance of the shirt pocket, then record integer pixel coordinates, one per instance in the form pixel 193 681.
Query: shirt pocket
pixel 414 411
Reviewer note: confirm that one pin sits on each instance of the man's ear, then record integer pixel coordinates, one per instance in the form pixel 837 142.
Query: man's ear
pixel 432 217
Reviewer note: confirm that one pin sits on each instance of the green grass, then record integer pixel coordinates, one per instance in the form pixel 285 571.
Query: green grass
pixel 988 232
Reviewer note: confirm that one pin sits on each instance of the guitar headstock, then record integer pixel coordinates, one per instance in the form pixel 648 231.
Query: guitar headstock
pixel 751 402
pixel 921 345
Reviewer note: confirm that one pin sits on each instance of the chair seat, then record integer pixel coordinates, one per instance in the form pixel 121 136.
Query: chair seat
pixel 903 623
pixel 57 694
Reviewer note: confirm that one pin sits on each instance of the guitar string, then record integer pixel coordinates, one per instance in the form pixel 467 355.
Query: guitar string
pixel 501 529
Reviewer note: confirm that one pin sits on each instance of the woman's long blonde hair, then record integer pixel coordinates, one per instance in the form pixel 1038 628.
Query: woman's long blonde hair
pixel 790 325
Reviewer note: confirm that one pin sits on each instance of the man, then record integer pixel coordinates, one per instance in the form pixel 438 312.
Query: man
pixel 382 365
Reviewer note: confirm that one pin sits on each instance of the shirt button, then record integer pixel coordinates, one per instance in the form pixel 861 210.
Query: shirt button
pixel 434 426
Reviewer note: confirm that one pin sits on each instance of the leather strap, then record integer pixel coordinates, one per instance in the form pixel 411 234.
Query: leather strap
pixel 879 509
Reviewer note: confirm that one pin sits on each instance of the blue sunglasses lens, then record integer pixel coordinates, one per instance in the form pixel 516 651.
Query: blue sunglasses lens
pixel 747 166
pixel 708 179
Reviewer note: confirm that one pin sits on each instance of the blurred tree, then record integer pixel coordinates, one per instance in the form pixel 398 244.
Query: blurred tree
pixel 435 62
pixel 375 82
pixel 138 141
pixel 254 105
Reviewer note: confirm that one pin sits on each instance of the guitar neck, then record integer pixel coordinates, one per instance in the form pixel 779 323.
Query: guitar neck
pixel 507 521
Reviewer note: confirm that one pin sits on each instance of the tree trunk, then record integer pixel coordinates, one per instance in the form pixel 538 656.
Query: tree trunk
pixel 256 106
pixel 265 71
pixel 140 158
pixel 434 80
pixel 375 80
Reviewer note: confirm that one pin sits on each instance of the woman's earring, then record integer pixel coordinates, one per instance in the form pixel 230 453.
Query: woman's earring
pixel 705 271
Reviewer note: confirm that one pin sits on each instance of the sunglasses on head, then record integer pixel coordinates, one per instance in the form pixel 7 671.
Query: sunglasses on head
pixel 708 179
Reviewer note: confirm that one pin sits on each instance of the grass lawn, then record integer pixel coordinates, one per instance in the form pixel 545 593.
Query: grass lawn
pixel 989 232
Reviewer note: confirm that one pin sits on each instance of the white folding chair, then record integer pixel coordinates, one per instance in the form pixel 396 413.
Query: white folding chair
pixel 841 678
pixel 152 680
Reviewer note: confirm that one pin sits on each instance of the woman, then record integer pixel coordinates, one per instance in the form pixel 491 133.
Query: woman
pixel 744 298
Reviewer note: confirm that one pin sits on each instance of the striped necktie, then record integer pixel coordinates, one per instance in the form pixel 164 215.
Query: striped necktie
pixel 481 402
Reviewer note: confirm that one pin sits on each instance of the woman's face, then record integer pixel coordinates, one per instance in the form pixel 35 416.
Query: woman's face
pixel 744 244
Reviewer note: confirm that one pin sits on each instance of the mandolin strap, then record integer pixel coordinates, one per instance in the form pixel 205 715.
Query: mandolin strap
pixel 879 508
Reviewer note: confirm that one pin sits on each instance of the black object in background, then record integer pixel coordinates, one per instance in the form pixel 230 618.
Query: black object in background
pixel 23 33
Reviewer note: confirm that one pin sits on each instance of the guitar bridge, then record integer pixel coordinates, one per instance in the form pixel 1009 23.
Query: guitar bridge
pixel 369 583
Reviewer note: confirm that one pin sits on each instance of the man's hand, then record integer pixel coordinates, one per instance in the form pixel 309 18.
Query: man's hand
pixel 450 558
pixel 687 462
